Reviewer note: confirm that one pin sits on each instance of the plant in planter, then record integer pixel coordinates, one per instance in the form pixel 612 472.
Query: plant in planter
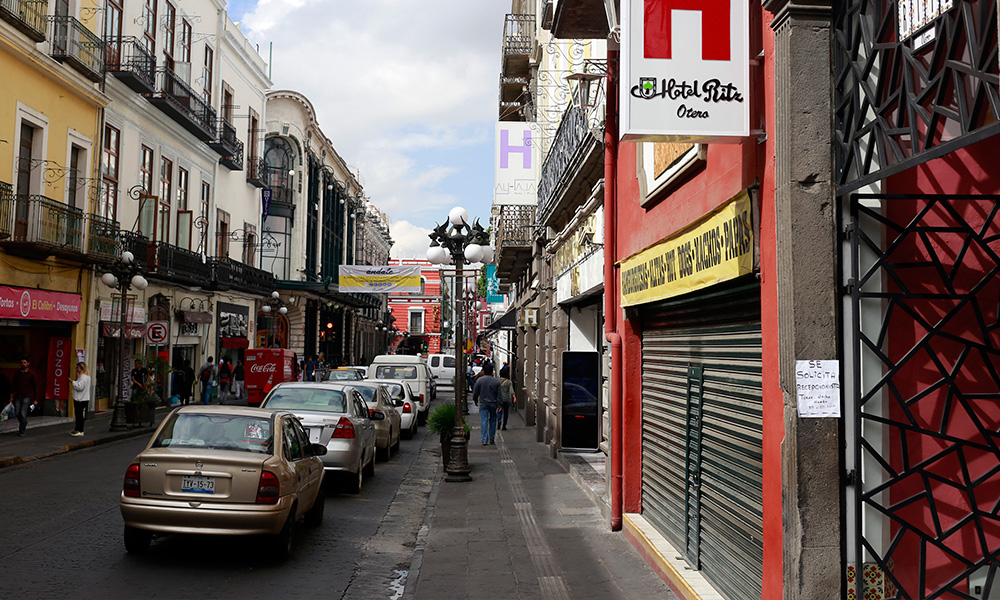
pixel 441 421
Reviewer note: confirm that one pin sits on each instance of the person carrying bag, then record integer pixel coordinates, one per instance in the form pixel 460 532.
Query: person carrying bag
pixel 507 398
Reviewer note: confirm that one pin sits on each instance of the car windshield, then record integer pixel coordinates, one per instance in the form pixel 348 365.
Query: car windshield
pixel 304 398
pixel 224 432
pixel 342 375
pixel 390 372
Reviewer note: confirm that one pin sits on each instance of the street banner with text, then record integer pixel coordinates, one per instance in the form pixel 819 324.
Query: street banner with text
pixel 718 249
pixel 367 279
pixel 59 368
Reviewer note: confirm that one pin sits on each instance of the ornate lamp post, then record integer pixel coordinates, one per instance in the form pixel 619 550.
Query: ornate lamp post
pixel 122 275
pixel 275 304
pixel 458 242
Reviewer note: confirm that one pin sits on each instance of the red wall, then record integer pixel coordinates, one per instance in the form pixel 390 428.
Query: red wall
pixel 729 169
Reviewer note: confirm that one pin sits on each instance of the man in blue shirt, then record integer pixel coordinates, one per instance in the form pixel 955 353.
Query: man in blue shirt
pixel 486 395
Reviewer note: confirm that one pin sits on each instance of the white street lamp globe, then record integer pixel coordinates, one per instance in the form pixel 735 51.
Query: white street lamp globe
pixel 435 254
pixel 109 280
pixel 283 310
pixel 139 282
pixel 265 308
pixel 473 253
pixel 127 257
pixel 458 215
pixel 487 254
pixel 275 295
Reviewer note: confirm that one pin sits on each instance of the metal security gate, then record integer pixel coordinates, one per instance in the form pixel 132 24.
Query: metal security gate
pixel 922 396
pixel 702 430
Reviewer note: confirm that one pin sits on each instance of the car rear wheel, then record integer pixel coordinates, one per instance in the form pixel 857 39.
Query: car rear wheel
pixel 137 540
pixel 314 518
pixel 370 467
pixel 395 447
pixel 384 453
pixel 284 542
pixel 354 481
pixel 408 434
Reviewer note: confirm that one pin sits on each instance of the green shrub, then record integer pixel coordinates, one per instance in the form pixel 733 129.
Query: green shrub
pixel 441 419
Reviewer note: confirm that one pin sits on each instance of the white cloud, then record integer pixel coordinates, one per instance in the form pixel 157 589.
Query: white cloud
pixel 392 80
pixel 410 241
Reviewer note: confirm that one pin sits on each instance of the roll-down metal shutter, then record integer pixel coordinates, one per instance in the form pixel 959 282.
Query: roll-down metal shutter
pixel 702 429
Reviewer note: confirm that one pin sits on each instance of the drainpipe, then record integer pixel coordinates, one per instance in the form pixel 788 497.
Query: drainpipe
pixel 610 283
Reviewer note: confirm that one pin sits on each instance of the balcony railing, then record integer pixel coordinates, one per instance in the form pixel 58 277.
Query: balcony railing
pixel 232 274
pixel 184 105
pixel 102 238
pixel 518 44
pixel 178 265
pixel 70 41
pixel 36 222
pixel 569 139
pixel 28 16
pixel 257 171
pixel 132 63
pixel 6 211
pixel 138 245
pixel 514 224
pixel 229 146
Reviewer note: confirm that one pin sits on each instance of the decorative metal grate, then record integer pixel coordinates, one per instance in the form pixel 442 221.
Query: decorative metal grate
pixel 901 103
pixel 922 396
pixel 569 140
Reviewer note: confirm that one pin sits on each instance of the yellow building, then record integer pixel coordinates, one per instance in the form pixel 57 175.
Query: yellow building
pixel 52 230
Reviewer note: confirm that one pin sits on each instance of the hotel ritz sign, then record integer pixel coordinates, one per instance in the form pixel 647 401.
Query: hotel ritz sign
pixel 685 70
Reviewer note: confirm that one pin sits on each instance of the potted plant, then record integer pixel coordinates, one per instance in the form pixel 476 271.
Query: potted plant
pixel 441 421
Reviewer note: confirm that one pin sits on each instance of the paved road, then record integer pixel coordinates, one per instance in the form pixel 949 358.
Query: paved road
pixel 61 537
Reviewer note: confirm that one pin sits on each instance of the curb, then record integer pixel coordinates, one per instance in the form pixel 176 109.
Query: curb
pixel 11 461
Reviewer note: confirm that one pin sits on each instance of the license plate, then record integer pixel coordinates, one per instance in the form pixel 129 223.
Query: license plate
pixel 198 485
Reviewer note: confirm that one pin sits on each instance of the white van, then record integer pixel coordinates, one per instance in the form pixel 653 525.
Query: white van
pixel 410 369
pixel 442 368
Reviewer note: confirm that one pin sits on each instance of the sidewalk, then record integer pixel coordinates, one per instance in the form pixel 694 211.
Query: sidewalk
pixel 48 436
pixel 524 527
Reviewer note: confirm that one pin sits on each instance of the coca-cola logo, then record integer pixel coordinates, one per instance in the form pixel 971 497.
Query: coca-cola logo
pixel 264 368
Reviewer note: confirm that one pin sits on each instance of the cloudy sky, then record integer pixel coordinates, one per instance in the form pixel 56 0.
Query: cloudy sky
pixel 406 90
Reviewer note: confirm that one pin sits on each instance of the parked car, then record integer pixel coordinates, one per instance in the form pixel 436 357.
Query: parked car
pixel 387 430
pixel 224 470
pixel 442 368
pixel 334 415
pixel 402 397
pixel 411 369
pixel 345 374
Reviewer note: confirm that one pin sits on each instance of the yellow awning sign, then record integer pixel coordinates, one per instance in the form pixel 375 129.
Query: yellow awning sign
pixel 718 249
pixel 366 279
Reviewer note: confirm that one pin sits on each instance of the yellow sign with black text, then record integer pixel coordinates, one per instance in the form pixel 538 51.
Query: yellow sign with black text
pixel 718 249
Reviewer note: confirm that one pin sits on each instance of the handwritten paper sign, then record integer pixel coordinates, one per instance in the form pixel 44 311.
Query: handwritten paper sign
pixel 817 387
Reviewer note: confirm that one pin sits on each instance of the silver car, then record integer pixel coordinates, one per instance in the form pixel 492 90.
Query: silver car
pixel 336 416
pixel 402 398
pixel 387 429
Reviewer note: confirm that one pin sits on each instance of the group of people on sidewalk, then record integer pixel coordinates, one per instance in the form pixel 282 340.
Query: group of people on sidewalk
pixel 18 395
pixel 494 396
pixel 224 377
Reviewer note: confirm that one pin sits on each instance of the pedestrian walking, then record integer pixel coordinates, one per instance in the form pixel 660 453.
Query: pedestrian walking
pixel 238 379
pixel 486 395
pixel 225 377
pixel 206 375
pixel 310 369
pixel 25 386
pixel 188 381
pixel 140 379
pixel 81 396
pixel 506 398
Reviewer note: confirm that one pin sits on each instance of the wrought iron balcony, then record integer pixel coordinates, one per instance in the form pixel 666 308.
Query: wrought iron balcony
pixel 514 224
pixel 27 16
pixel 184 105
pixel 518 44
pixel 129 60
pixel 6 211
pixel 579 20
pixel 36 225
pixel 232 274
pixel 229 146
pixel 139 245
pixel 102 239
pixel 71 42
pixel 178 265
pixel 572 167
pixel 256 172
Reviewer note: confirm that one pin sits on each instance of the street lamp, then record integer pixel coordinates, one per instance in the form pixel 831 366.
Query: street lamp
pixel 122 275
pixel 275 304
pixel 456 242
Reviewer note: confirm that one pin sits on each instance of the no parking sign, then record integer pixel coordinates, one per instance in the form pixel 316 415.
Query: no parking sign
pixel 157 333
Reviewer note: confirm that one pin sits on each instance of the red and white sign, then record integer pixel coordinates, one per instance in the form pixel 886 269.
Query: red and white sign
pixel 38 305
pixel 157 333
pixel 59 368
pixel 685 70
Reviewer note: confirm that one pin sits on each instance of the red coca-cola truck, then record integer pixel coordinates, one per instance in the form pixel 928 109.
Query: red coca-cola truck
pixel 266 368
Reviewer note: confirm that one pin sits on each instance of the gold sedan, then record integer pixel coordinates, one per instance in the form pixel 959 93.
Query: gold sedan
pixel 225 470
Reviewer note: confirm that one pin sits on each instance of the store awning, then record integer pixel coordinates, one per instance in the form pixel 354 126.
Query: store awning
pixel 235 342
pixel 191 316
pixel 506 322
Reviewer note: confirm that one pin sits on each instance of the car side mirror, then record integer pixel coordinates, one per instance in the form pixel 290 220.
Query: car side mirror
pixel 317 449
pixel 376 415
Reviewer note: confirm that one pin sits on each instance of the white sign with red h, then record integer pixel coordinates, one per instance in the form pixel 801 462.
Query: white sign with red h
pixel 685 70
